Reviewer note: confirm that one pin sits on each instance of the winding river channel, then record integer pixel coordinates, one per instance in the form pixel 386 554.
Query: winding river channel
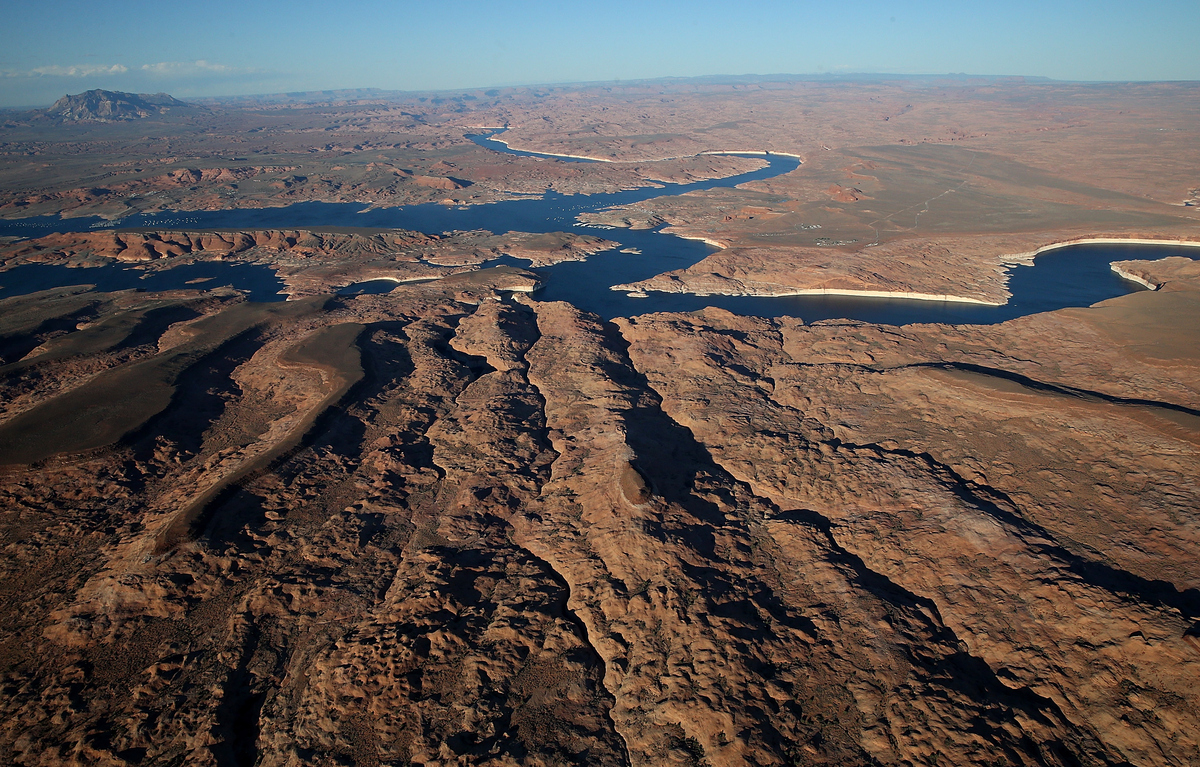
pixel 1076 275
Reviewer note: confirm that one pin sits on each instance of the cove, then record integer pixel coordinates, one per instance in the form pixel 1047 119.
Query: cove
pixel 1076 275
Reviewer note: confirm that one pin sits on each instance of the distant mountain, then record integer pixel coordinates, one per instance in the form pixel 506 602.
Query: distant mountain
pixel 112 106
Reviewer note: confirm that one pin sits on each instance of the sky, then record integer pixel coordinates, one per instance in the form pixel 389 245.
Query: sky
pixel 192 48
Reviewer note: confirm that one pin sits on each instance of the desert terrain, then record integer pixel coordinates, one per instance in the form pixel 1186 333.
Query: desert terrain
pixel 456 524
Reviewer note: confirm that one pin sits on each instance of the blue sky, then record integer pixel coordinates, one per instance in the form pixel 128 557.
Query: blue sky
pixel 215 48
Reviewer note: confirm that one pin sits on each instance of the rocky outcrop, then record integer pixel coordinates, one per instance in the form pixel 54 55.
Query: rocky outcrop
pixel 444 183
pixel 113 106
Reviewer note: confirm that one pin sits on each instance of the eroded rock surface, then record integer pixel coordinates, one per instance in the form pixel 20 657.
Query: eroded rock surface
pixel 456 525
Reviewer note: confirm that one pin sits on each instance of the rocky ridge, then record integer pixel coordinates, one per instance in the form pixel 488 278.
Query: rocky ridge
pixel 449 525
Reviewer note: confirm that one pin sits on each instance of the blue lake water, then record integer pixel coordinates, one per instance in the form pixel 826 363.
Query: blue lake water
pixel 1077 275
pixel 258 282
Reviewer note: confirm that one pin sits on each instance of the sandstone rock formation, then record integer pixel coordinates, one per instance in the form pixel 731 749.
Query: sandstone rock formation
pixel 452 524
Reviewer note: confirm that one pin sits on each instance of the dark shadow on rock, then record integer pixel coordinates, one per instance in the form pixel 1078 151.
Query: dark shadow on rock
pixel 16 345
pixel 154 323
pixel 202 391
pixel 937 651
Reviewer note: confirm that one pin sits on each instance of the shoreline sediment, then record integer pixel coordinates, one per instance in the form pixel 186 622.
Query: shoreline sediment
pixel 550 154
pixel 1011 259
pixel 756 152
pixel 1133 277
pixel 715 243
pixel 912 296
pixel 1025 258
pixel 717 152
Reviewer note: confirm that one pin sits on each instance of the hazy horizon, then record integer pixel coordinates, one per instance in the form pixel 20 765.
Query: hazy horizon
pixel 227 49
pixel 720 77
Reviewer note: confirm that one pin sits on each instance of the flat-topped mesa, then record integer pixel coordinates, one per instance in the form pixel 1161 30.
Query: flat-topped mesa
pixel 112 106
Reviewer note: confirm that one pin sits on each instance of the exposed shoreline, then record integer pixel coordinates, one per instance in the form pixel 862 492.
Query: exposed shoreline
pixel 757 152
pixel 1027 257
pixel 1133 277
pixel 722 152
pixel 716 152
pixel 1012 259
pixel 821 292
pixel 549 154
pixel 715 243
pixel 885 294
